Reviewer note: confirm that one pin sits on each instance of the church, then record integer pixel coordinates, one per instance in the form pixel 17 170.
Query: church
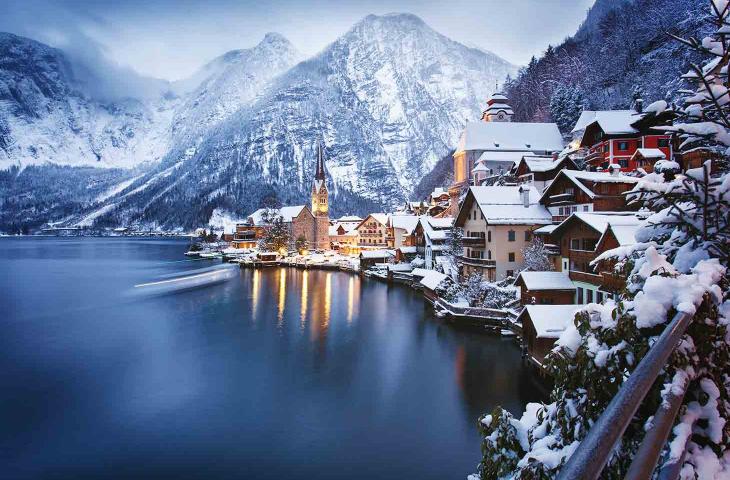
pixel 310 222
pixel 495 143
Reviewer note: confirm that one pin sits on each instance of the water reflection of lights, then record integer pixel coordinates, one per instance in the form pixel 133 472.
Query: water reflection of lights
pixel 303 312
pixel 282 295
pixel 350 299
pixel 255 293
pixel 327 300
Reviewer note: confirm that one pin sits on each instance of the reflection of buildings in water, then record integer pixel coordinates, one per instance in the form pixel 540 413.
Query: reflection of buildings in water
pixel 303 303
pixel 351 299
pixel 321 310
pixel 282 295
pixel 255 291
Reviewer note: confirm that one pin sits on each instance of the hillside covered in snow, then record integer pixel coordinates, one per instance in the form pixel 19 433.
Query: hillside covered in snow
pixel 387 99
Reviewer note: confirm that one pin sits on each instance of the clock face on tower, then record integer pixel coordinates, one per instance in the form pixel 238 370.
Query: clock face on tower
pixel 501 116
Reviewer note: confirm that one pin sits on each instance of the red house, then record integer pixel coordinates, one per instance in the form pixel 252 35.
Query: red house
pixel 614 136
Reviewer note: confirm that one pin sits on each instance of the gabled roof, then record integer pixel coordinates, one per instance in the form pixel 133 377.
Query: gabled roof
pixel 286 213
pixel 543 163
pixel 380 217
pixel 549 320
pixel 349 218
pixel 503 205
pixel 576 177
pixel 436 228
pixel 501 156
pixel 612 122
pixel 404 222
pixel 545 280
pixel 511 136
pixel 377 254
pixel 600 221
pixel 650 153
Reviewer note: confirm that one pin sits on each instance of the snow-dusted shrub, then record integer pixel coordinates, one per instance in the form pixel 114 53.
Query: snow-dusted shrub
pixel 679 265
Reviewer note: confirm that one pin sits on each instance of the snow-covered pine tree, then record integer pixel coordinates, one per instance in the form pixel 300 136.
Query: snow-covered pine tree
pixel 566 104
pixel 536 256
pixel 679 264
pixel 277 233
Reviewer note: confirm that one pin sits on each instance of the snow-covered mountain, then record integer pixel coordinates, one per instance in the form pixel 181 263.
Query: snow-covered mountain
pixel 387 99
pixel 48 115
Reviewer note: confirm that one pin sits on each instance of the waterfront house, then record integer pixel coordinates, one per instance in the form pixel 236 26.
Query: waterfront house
pixel 431 237
pixel 497 223
pixel 373 231
pixel 579 191
pixel 545 288
pixel 343 233
pixel 541 327
pixel 368 258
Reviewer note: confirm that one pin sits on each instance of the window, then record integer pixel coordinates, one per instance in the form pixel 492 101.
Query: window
pixel 599 297
pixel 509 273
pixel 489 254
pixel 570 190
pixel 623 145
pixel 560 211
pixel 605 148
pixel 575 244
pixel 489 236
pixel 527 235
pixel 589 295
pixel 511 257
pixel 580 295
pixel 585 208
pixel 624 163
pixel 511 236
pixel 662 143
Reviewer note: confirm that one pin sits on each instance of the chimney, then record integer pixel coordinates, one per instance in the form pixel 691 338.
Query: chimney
pixel 639 105
pixel 525 194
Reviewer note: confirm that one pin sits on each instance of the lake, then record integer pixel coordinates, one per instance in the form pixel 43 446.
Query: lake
pixel 277 373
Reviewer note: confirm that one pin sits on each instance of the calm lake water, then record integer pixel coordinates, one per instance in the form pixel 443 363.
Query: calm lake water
pixel 275 374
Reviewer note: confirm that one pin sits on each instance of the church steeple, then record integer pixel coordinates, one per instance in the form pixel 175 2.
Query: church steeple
pixel 320 204
pixel 319 173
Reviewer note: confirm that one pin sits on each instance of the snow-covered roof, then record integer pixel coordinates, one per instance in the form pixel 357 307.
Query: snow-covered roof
pixel 439 191
pixel 600 221
pixel 499 156
pixel 550 320
pixel 380 217
pixel 432 279
pixel 400 267
pixel 503 205
pixel 546 280
pixel 576 176
pixel 625 234
pixel 511 136
pixel 404 222
pixel 408 249
pixel 349 219
pixel 377 254
pixel 541 164
pixel 480 168
pixel 286 213
pixel 650 153
pixel 495 107
pixel 497 96
pixel 612 122
pixel 546 230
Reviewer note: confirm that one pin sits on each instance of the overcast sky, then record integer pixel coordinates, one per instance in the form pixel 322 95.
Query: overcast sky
pixel 170 39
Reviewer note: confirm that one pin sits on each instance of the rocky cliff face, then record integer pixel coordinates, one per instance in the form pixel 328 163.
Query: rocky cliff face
pixel 387 99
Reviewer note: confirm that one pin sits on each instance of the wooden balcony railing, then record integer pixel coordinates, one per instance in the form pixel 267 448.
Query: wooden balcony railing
pixel 477 242
pixel 586 277
pixel 478 262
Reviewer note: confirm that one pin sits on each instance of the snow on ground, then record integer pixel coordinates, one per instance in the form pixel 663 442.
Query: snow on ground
pixel 118 188
pixel 88 220
pixel 222 220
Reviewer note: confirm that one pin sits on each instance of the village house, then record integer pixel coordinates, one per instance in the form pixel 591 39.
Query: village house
pixel 431 237
pixel 400 230
pixel 497 223
pixel 540 171
pixel 545 288
pixel 584 236
pixel 580 191
pixel 614 136
pixel 343 234
pixel 498 144
pixel 439 202
pixel 373 231
pixel 542 325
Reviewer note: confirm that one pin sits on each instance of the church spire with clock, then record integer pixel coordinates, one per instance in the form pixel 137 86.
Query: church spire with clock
pixel 320 204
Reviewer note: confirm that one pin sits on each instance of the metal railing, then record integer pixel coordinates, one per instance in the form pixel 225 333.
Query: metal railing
pixel 591 456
